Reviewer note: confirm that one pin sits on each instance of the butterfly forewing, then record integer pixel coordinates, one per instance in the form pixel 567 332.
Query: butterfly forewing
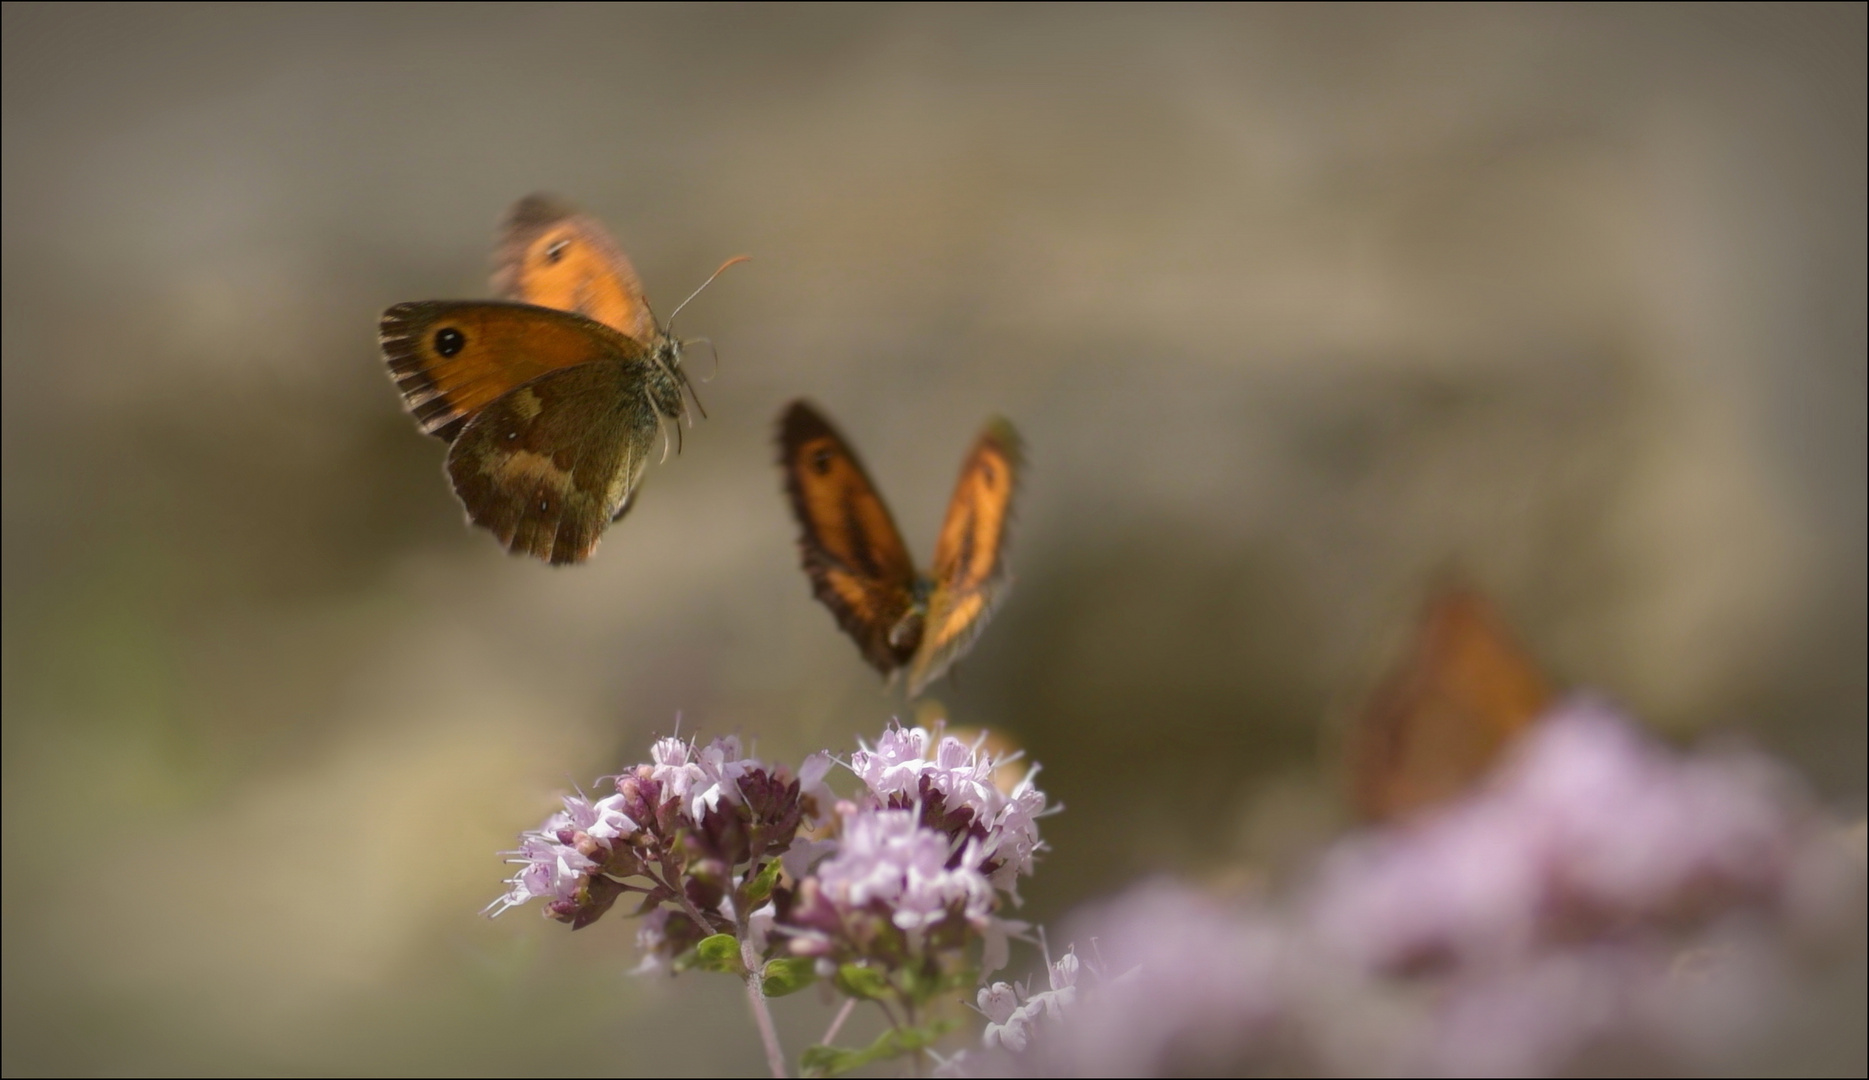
pixel 552 403
pixel 970 555
pixel 1436 725
pixel 547 467
pixel 553 256
pixel 848 541
pixel 453 358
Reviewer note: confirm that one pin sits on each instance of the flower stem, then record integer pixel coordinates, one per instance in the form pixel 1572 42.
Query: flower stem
pixel 681 897
pixel 837 1022
pixel 762 1016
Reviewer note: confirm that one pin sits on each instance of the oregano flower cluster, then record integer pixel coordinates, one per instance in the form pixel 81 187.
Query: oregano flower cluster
pixel 894 894
pixel 1599 892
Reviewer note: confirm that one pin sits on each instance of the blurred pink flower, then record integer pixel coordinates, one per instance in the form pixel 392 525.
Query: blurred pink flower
pixel 1601 891
pixel 1587 826
pixel 1011 1011
pixel 1181 983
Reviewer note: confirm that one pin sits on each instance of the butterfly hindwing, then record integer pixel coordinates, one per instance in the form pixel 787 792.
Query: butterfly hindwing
pixel 547 467
pixel 553 256
pixel 453 358
pixel 970 556
pixel 851 549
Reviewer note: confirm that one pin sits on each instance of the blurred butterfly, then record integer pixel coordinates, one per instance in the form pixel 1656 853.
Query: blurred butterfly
pixel 859 566
pixel 1444 715
pixel 552 399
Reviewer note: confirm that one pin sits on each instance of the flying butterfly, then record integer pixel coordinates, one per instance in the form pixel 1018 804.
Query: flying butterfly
pixel 1442 718
pixel 859 566
pixel 550 399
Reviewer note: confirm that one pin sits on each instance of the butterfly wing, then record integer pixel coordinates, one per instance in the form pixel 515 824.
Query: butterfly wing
pixel 848 541
pixel 553 256
pixel 1436 725
pixel 970 557
pixel 453 358
pixel 547 467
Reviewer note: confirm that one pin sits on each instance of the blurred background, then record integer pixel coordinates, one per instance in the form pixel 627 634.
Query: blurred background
pixel 1298 309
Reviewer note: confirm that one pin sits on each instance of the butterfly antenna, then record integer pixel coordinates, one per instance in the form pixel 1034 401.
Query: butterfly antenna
pixel 704 284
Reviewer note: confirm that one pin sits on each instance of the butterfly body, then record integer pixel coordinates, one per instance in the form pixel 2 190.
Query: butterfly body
pixel 901 618
pixel 551 400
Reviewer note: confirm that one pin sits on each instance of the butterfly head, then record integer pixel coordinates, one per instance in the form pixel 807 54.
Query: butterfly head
pixel 667 381
pixel 665 353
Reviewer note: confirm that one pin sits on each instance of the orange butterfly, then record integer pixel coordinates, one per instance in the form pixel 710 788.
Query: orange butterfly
pixel 1441 719
pixel 859 566
pixel 551 404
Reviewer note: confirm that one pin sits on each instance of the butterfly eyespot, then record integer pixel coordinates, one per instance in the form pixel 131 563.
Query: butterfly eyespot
pixel 821 460
pixel 540 439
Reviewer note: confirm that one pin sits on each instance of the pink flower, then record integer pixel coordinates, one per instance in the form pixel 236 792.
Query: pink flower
pixel 1013 1012
pixel 1601 892
pixel 887 858
pixel 896 763
pixel 1187 985
pixel 925 856
pixel 1586 825
pixel 556 858
pixel 671 767
pixel 955 787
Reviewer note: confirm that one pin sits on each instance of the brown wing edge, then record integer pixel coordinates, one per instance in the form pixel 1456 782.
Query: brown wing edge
pixel 396 335
pixel 798 424
pixel 998 434
pixel 536 211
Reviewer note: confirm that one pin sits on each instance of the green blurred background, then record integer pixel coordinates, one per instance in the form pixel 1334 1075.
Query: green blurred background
pixel 1297 309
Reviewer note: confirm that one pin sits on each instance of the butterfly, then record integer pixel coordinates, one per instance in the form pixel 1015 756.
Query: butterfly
pixel 859 566
pixel 1444 715
pixel 550 399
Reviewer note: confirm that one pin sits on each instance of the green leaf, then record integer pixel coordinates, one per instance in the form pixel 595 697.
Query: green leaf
pixel 863 982
pixel 922 986
pixel 720 953
pixel 761 887
pixel 821 1060
pixel 896 1042
pixel 788 975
